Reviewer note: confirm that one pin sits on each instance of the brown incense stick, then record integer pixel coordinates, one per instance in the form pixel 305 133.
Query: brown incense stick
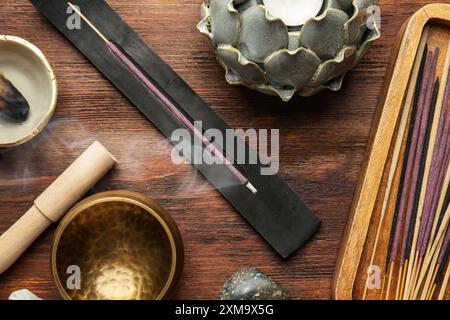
pixel 434 158
pixel 444 200
pixel 444 283
pixel 436 224
pixel 436 233
pixel 421 157
pixel 424 69
pixel 418 123
pixel 434 250
pixel 443 258
pixel 440 267
pixel 441 262
pixel 402 135
pixel 442 207
pixel 432 272
pixel 441 142
pixel 429 277
pixel 412 171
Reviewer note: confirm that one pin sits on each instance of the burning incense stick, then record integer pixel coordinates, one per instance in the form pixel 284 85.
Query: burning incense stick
pixel 136 70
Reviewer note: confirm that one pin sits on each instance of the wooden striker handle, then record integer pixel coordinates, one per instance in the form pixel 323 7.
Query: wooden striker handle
pixel 54 202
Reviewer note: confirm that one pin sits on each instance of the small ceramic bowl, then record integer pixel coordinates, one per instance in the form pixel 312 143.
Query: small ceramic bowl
pixel 29 71
pixel 117 245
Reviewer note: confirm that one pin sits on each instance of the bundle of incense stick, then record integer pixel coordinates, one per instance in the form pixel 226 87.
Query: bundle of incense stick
pixel 417 260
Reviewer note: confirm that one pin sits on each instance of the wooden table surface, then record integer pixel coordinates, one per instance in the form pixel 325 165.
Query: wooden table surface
pixel 323 142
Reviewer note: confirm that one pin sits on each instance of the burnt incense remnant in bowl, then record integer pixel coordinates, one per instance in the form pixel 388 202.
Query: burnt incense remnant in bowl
pixel 28 91
pixel 118 249
pixel 13 104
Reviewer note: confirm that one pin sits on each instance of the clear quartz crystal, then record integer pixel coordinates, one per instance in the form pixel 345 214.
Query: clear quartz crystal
pixel 294 12
pixel 23 294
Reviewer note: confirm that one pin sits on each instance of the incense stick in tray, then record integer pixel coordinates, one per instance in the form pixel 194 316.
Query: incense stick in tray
pixel 396 245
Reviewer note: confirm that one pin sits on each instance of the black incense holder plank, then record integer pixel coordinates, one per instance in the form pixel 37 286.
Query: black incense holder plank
pixel 275 212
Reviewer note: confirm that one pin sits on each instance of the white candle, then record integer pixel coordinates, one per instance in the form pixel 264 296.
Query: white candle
pixel 294 12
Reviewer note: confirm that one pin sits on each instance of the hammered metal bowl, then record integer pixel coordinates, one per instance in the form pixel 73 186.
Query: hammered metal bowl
pixel 121 246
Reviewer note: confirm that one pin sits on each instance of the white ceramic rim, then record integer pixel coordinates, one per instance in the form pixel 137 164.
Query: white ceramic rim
pixel 38 53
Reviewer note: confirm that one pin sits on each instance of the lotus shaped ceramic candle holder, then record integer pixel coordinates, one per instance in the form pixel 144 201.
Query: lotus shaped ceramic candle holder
pixel 261 52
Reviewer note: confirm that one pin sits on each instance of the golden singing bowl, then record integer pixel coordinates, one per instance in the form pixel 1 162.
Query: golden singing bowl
pixel 117 245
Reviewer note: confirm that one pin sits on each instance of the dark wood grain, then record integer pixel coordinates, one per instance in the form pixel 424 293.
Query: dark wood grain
pixel 323 142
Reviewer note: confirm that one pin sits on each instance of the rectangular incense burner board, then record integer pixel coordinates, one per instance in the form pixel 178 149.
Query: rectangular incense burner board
pixel 118 52
pixel 366 241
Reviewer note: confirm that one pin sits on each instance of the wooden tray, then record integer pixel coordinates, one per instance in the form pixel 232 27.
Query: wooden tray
pixel 432 25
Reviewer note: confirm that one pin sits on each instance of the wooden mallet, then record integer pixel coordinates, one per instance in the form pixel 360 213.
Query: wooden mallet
pixel 54 202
